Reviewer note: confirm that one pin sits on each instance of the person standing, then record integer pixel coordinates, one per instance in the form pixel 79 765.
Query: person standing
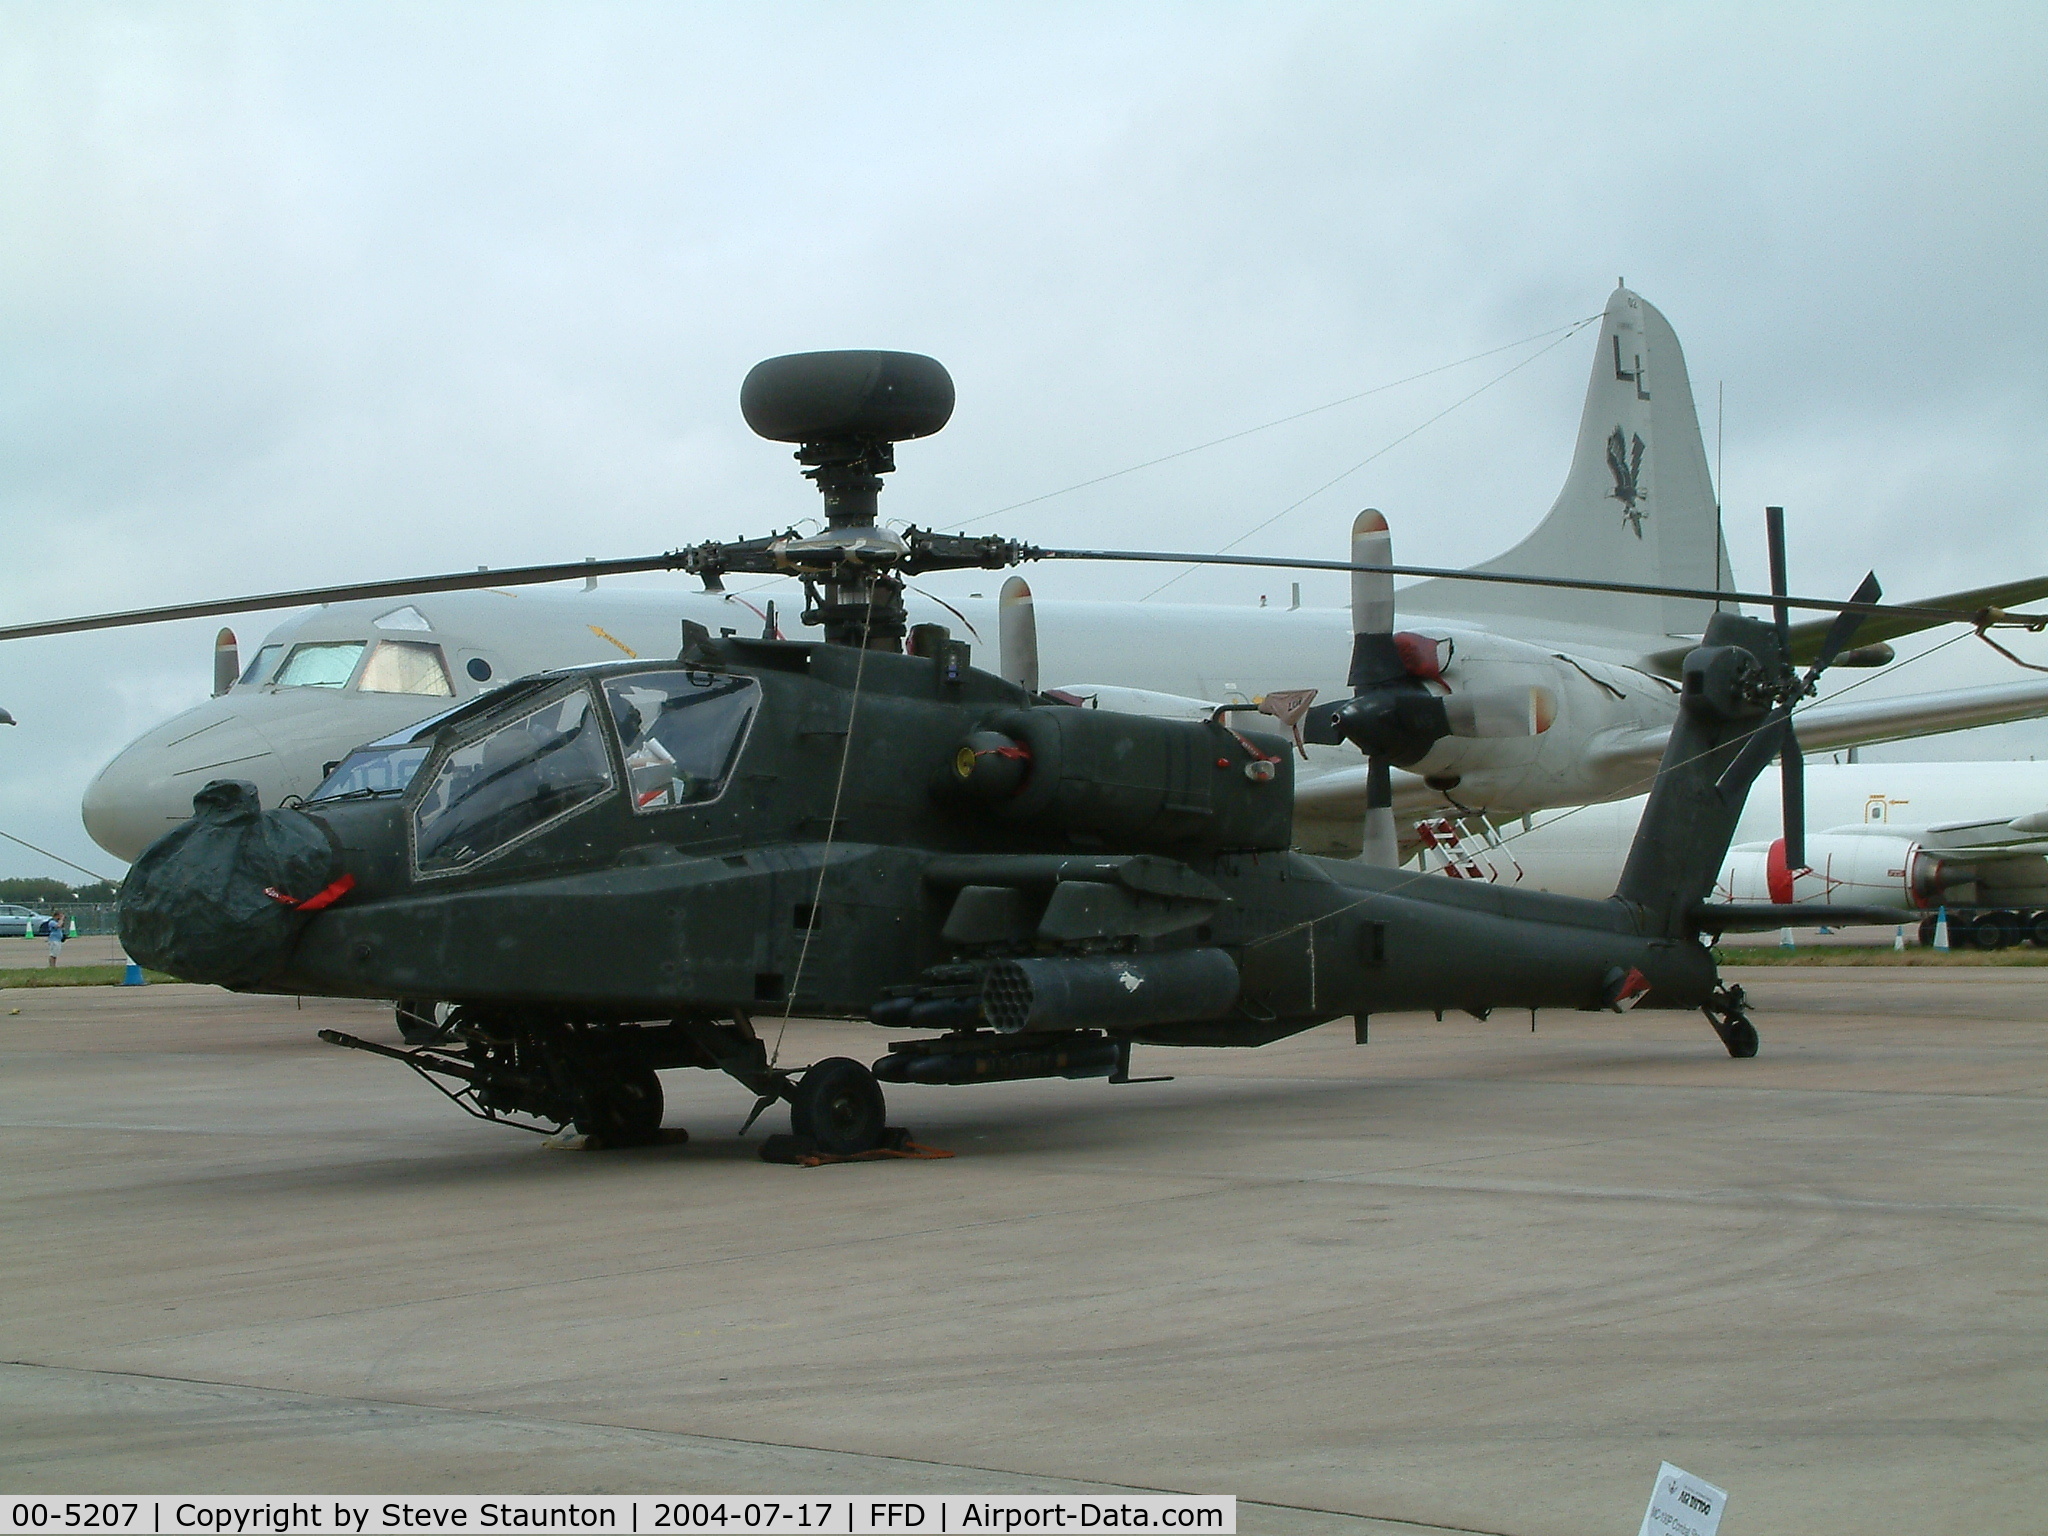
pixel 53 930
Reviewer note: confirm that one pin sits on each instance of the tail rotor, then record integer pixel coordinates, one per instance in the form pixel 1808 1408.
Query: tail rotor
pixel 1776 735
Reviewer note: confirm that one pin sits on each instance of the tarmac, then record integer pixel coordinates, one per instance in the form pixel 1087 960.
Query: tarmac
pixel 1464 1278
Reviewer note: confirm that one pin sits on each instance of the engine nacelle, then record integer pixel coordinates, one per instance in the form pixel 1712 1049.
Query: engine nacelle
pixel 1847 869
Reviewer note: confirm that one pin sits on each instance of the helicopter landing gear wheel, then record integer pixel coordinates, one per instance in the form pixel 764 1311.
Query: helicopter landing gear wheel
pixel 1728 1011
pixel 622 1110
pixel 838 1108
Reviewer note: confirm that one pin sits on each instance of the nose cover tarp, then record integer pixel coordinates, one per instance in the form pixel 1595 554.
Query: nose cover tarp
pixel 222 897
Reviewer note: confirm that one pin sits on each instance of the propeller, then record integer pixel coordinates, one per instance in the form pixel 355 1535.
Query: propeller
pixel 1776 736
pixel 1017 635
pixel 1394 715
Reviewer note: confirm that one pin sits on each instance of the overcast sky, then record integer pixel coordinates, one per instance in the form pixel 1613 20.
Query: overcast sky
pixel 302 294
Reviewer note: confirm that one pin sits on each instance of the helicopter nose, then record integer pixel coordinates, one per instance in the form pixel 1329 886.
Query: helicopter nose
pixel 148 788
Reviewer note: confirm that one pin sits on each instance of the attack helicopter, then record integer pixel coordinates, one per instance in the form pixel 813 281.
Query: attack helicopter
pixel 868 826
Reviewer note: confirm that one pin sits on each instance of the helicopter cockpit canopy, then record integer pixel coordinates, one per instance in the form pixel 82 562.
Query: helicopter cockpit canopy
pixel 679 733
pixel 676 734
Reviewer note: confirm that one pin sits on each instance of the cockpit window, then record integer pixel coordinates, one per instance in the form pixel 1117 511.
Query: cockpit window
pixel 527 774
pixel 325 664
pixel 385 766
pixel 259 668
pixel 406 666
pixel 369 771
pixel 679 733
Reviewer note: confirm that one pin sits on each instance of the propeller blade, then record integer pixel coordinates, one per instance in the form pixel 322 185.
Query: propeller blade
pixel 1017 643
pixel 1376 658
pixel 1792 768
pixel 306 597
pixel 1382 848
pixel 1508 713
pixel 1372 591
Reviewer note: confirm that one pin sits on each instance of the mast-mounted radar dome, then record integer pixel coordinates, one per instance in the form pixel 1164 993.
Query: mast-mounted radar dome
pixel 841 397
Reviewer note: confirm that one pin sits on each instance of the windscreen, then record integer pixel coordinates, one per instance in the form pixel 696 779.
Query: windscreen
pixel 406 666
pixel 679 733
pixel 259 668
pixel 326 664
pixel 385 766
pixel 490 793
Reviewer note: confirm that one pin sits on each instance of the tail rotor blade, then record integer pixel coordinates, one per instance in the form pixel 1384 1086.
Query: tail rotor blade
pixel 1017 642
pixel 1845 626
pixel 1763 744
pixel 1774 537
pixel 1792 765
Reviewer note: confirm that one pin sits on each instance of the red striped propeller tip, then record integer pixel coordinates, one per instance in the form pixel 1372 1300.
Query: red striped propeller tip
pixel 1368 521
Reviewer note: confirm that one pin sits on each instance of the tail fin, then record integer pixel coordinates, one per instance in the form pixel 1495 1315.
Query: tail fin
pixel 1683 838
pixel 1638 504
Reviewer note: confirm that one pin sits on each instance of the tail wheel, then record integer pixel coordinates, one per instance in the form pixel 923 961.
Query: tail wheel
pixel 838 1107
pixel 1740 1036
pixel 623 1110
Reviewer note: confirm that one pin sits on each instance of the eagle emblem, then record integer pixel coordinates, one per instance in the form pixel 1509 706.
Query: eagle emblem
pixel 1625 461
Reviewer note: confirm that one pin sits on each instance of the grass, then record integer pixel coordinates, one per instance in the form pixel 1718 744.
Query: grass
pixel 1839 954
pixel 71 976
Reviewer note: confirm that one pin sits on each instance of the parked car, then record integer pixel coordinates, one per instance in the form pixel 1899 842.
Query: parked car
pixel 21 922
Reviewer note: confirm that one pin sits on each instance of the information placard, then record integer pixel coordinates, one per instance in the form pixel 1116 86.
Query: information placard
pixel 1682 1505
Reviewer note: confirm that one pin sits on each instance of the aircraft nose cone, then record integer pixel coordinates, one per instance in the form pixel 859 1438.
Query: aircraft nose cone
pixel 148 788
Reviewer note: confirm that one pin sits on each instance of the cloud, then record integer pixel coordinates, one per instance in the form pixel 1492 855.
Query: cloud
pixel 317 293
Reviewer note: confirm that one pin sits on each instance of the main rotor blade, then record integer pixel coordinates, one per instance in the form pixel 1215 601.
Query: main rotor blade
pixel 1568 583
pixel 513 576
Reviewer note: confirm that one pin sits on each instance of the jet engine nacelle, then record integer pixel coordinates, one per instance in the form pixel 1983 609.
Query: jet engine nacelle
pixel 1848 869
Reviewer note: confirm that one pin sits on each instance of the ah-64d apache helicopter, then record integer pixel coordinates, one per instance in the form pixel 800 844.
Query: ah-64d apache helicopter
pixel 860 828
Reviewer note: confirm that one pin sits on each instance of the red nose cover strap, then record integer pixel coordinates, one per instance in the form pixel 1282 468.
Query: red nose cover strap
pixel 318 899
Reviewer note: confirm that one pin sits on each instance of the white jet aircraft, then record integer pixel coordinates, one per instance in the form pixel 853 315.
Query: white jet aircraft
pixel 1593 672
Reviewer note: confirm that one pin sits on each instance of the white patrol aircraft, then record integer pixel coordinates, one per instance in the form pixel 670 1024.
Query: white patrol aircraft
pixel 1918 837
pixel 1568 696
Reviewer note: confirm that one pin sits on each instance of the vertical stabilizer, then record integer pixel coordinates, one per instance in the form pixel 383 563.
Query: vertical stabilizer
pixel 1638 504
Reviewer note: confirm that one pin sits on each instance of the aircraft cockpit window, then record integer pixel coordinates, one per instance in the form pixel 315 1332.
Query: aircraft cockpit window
pixel 679 733
pixel 371 771
pixel 497 790
pixel 406 666
pixel 323 664
pixel 259 667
